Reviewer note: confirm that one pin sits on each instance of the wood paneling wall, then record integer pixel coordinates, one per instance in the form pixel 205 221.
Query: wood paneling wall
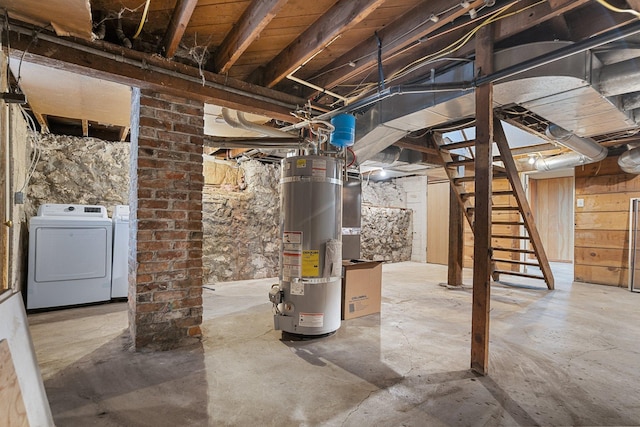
pixel 601 225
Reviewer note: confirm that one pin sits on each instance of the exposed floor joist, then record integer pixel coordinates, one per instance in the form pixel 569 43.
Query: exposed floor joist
pixel 342 16
pixel 254 19
pixel 177 26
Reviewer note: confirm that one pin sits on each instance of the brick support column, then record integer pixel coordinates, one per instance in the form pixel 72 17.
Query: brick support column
pixel 165 262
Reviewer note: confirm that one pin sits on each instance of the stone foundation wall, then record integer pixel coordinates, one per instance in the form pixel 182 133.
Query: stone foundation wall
pixel 240 206
pixel 79 170
pixel 241 221
pixel 386 224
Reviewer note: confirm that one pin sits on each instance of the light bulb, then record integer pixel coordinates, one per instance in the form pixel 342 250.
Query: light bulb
pixel 383 173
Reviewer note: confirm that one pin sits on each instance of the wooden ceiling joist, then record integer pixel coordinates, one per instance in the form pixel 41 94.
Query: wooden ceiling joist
pixel 394 38
pixel 177 25
pixel 342 16
pixel 254 19
pixel 535 14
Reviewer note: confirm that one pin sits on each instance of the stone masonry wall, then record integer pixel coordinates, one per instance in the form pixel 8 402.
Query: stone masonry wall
pixel 240 206
pixel 241 222
pixel 166 299
pixel 386 224
pixel 79 170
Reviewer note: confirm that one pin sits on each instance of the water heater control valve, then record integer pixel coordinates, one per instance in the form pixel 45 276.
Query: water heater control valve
pixel 275 294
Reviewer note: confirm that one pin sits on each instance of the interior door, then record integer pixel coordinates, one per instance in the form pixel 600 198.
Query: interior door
pixel 552 205
pixel 438 222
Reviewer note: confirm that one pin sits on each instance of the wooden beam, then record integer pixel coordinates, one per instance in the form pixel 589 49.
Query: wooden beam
pixel 177 25
pixel 42 121
pixel 422 145
pixel 132 68
pixel 536 14
pixel 248 28
pixel 590 21
pixel 482 213
pixel 344 15
pixel 124 132
pixel 394 38
pixel 456 239
pixel 635 4
pixel 85 127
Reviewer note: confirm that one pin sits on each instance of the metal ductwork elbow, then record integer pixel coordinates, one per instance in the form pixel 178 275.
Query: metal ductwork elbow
pixel 629 161
pixel 586 150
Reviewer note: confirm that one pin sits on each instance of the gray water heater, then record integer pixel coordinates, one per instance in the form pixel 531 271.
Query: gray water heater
pixel 307 299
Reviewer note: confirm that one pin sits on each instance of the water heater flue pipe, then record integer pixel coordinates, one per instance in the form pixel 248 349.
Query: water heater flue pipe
pixel 629 161
pixel 586 150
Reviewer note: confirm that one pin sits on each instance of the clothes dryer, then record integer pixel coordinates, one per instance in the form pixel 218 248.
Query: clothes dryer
pixel 70 252
pixel 120 272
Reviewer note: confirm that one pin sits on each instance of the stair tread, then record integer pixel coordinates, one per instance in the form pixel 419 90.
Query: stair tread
pixel 502 236
pixel 514 261
pixel 517 273
pixel 516 250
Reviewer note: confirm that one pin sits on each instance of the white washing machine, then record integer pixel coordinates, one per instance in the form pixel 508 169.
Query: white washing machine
pixel 120 272
pixel 70 250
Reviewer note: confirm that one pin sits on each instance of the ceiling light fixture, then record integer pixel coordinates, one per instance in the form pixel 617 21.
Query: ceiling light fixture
pixel 434 18
pixel 383 173
pixel 464 4
pixel 473 13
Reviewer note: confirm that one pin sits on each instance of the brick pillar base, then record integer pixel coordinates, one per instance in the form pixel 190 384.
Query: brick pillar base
pixel 165 289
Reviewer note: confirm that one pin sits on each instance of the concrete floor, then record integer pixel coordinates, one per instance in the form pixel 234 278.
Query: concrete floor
pixel 567 357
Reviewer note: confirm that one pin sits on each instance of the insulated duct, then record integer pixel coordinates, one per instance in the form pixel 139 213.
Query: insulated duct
pixel 243 123
pixel 586 150
pixel 629 161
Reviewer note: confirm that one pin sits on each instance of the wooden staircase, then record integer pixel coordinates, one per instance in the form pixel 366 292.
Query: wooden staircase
pixel 516 245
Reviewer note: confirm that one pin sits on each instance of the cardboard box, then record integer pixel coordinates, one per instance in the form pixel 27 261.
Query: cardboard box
pixel 361 288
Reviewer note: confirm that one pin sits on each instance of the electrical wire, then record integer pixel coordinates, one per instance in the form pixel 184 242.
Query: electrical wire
pixel 453 47
pixel 391 42
pixel 144 18
pixel 37 149
pixel 615 9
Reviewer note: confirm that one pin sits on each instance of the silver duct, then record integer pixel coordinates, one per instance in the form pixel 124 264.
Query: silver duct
pixel 387 156
pixel 243 123
pixel 586 150
pixel 629 161
pixel 620 78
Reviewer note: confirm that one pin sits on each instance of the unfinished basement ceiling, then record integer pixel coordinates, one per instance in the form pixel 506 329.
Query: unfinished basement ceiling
pixel 58 93
pixel 317 55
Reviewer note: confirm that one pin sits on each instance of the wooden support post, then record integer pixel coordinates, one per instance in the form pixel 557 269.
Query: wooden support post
pixel 85 128
pixel 456 239
pixel 482 217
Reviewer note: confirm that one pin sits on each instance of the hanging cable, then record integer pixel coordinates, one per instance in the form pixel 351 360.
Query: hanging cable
pixel 615 9
pixel 144 18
